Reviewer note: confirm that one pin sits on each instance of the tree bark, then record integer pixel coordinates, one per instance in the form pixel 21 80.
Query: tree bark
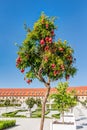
pixel 43 105
pixel 63 117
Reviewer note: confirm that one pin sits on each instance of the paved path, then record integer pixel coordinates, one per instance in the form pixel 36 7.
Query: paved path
pixel 30 124
pixel 34 124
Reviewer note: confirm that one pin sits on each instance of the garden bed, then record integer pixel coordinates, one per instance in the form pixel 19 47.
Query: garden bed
pixel 63 126
pixel 65 123
pixel 68 124
pixel 13 114
pixel 37 113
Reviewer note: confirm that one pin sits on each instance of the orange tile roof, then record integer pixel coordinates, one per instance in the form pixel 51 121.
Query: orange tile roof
pixel 80 91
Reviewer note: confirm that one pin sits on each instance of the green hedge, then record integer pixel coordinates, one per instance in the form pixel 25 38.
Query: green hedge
pixel 37 113
pixel 57 116
pixel 7 123
pixel 9 114
pixel 13 114
pixel 3 105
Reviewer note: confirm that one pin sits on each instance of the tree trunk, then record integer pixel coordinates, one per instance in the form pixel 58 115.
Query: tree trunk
pixel 71 109
pixel 30 113
pixel 43 106
pixel 63 117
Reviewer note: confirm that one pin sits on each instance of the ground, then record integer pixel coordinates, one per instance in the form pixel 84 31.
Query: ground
pixel 34 124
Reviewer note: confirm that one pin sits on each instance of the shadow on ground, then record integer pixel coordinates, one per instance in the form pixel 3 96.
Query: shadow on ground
pixel 79 127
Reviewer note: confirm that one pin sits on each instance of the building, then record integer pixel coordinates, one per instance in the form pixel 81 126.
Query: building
pixel 21 94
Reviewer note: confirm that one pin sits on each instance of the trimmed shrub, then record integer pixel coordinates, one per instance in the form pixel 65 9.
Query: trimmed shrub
pixel 13 114
pixel 57 116
pixel 7 123
pixel 37 113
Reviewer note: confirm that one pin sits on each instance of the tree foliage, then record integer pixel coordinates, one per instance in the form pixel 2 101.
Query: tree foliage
pixel 7 102
pixel 30 102
pixel 41 56
pixel 38 102
pixel 63 99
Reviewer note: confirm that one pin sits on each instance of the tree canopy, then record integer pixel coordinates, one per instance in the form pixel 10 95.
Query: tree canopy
pixel 63 99
pixel 41 56
pixel 30 102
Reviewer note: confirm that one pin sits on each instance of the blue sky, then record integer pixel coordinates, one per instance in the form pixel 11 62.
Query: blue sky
pixel 72 26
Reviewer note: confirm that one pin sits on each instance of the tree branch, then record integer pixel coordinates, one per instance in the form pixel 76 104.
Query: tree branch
pixel 39 76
